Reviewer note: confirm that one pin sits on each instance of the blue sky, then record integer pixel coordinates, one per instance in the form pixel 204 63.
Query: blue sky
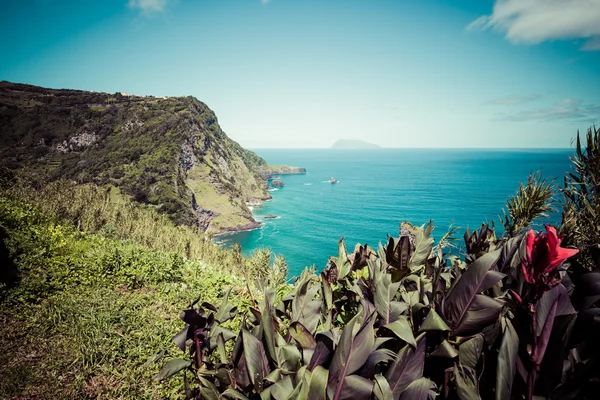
pixel 303 73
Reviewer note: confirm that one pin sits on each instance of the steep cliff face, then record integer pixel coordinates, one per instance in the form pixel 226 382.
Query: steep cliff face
pixel 167 152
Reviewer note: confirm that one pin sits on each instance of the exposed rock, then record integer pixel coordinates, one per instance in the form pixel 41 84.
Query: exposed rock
pixel 254 203
pixel 270 171
pixel 277 183
pixel 168 152
pixel 270 216
pixel 77 142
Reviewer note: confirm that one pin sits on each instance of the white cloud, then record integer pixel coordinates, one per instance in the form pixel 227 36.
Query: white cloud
pixel 566 109
pixel 512 100
pixel 536 21
pixel 148 6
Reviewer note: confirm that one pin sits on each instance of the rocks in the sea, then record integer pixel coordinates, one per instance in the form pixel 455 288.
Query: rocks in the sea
pixel 271 171
pixel 278 183
pixel 270 216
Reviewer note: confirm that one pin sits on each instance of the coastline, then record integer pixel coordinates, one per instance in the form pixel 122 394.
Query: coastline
pixel 268 175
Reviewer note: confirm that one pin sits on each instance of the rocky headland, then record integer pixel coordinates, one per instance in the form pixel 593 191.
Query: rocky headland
pixel 169 152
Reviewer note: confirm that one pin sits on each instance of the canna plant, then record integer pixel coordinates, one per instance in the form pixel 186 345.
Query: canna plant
pixel 404 321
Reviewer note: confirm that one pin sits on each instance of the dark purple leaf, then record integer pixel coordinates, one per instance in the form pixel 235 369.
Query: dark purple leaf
pixel 483 311
pixel 470 351
pixel 305 307
pixel 301 335
pixel 323 351
pixel 445 350
pixel 477 278
pixel 256 359
pixel 172 367
pixel 351 353
pixel 420 389
pixel 507 361
pixel 376 357
pixel 356 388
pixel 408 366
pixel 181 338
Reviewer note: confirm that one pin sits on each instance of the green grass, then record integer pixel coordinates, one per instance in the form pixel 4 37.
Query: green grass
pixel 93 305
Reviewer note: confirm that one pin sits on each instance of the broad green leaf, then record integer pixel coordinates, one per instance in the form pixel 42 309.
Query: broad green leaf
pixel 423 246
pixel 221 349
pixel 420 389
pixel 305 307
pixel 507 361
pixel 433 322
pixel 289 357
pixel 318 383
pixel 301 335
pixel 172 367
pixel 407 367
pixel 207 389
pixel 327 304
pixel 445 350
pixel 382 388
pixel 267 323
pixel 274 376
pixel 219 331
pixel 342 262
pixel 282 388
pixel 470 351
pixel 226 311
pixel 233 394
pixel 466 389
pixel 403 330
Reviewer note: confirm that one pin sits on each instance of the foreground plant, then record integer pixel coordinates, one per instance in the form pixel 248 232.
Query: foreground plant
pixel 402 322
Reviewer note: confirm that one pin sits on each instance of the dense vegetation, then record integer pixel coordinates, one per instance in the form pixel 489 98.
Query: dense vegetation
pixel 90 302
pixel 513 319
pixel 166 152
pixel 89 287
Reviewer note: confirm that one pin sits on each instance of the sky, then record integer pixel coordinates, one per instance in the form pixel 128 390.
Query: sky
pixel 304 73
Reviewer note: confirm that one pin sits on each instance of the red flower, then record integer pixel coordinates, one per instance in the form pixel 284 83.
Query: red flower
pixel 544 254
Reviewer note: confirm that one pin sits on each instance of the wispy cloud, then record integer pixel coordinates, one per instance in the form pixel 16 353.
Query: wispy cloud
pixel 512 100
pixel 536 21
pixel 149 6
pixel 566 109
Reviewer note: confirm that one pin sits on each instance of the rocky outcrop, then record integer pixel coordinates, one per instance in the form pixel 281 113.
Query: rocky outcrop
pixel 270 171
pixel 277 183
pixel 167 152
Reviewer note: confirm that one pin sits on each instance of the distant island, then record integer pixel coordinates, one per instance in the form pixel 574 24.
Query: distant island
pixel 354 144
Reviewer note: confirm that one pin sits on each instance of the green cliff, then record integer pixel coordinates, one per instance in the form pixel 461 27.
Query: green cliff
pixel 166 152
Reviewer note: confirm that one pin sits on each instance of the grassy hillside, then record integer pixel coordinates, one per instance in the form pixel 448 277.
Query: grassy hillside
pixel 166 152
pixel 88 293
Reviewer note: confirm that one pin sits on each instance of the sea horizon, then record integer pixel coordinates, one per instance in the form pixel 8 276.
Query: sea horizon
pixel 379 188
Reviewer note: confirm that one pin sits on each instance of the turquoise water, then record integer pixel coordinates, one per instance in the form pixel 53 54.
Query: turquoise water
pixel 378 189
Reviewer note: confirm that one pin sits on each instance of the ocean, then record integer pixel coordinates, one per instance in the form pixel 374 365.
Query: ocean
pixel 378 189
